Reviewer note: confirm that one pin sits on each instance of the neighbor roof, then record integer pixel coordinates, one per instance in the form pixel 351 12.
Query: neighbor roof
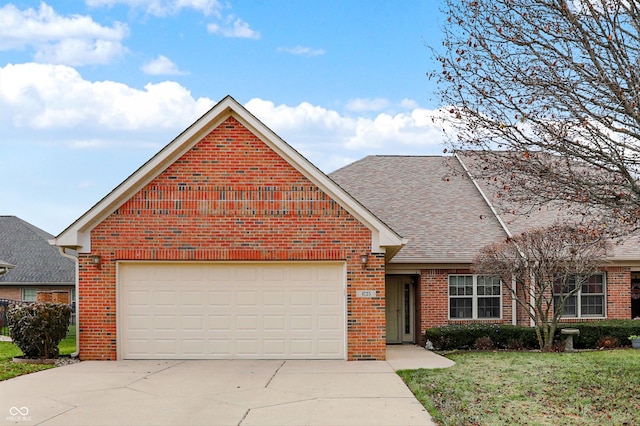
pixel 428 200
pixel 516 221
pixel 36 262
pixel 447 215
pixel 77 235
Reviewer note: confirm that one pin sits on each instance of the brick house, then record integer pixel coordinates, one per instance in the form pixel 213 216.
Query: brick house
pixel 229 244
pixel 38 269
pixel 447 217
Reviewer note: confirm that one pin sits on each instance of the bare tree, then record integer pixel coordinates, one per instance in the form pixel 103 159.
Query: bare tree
pixel 549 267
pixel 549 90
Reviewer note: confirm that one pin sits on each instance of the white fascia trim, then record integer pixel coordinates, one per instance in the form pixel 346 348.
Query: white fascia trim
pixel 78 235
pixel 433 260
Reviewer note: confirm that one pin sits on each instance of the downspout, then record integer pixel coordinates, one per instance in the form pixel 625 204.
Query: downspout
pixel 514 304
pixel 76 263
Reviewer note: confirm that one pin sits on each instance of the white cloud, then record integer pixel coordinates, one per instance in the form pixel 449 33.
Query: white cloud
pixel 233 27
pixel 413 129
pixel 408 104
pixel 361 105
pixel 162 8
pixel 74 40
pixel 161 66
pixel 302 51
pixel 57 97
pixel 56 103
pixel 331 140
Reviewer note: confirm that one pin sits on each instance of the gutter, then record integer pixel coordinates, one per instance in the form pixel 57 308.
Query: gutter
pixel 514 304
pixel 5 266
pixel 75 262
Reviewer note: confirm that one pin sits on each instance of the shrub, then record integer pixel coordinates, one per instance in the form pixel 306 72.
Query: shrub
pixel 607 342
pixel 592 335
pixel 558 346
pixel 483 343
pixel 38 328
pixel 515 345
pixel 465 336
pixel 592 332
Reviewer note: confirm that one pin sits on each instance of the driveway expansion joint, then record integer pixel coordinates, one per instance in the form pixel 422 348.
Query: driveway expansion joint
pixel 274 373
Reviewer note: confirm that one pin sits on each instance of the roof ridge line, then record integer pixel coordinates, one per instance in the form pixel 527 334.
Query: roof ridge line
pixel 484 196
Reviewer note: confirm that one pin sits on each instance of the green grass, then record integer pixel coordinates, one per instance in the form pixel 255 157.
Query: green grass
pixel 531 388
pixel 68 345
pixel 8 350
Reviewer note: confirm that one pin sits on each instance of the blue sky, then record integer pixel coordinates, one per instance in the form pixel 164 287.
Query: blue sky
pixel 90 90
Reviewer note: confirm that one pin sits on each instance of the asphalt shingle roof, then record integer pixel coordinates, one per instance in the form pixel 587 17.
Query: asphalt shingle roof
pixel 623 249
pixel 426 199
pixel 36 262
pixel 434 203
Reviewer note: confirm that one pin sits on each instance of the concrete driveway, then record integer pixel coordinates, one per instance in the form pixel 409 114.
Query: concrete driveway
pixel 219 393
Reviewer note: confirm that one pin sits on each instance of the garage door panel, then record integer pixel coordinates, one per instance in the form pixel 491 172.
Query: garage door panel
pixel 302 347
pixel 301 298
pixel 274 298
pixel 247 347
pixel 327 347
pixel 281 310
pixel 248 298
pixel 192 322
pixel 327 299
pixel 162 298
pixel 274 323
pixel 275 347
pixel 191 298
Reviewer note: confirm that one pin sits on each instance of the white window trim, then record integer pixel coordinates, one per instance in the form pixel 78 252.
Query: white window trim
pixel 474 299
pixel 35 295
pixel 578 297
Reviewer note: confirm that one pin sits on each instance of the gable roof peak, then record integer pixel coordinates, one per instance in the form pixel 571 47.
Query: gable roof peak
pixel 78 234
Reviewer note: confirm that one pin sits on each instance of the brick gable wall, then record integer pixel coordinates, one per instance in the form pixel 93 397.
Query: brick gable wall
pixel 230 198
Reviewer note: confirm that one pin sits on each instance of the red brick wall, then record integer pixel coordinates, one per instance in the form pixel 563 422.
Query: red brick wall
pixel 618 292
pixel 11 293
pixel 434 296
pixel 230 198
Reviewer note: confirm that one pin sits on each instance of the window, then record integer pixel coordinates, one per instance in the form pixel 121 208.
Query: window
pixel 474 297
pixel 589 301
pixel 29 294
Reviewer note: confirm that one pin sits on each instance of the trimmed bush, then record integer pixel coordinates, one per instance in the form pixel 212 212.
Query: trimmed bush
pixel 592 332
pixel 465 336
pixel 592 335
pixel 38 328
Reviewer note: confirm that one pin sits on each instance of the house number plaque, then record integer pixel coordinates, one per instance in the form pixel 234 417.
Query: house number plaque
pixel 366 293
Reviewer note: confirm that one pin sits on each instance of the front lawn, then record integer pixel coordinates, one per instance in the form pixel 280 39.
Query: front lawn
pixel 8 351
pixel 532 388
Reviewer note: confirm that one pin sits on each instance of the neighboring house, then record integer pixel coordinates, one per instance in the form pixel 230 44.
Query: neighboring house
pixel 447 217
pixel 229 244
pixel 35 265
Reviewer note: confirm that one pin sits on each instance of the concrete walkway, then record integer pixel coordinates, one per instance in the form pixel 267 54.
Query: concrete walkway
pixel 233 392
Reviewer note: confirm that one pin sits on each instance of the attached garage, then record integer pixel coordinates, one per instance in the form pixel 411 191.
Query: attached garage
pixel 281 310
pixel 228 244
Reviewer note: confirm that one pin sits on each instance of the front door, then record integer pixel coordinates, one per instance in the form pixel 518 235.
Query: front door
pixel 399 309
pixel 635 295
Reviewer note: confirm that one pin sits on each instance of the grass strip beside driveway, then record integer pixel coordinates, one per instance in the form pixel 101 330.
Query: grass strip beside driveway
pixel 532 388
pixel 10 369
pixel 8 350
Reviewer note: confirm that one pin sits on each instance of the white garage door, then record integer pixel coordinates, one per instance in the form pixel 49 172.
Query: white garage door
pixel 231 310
